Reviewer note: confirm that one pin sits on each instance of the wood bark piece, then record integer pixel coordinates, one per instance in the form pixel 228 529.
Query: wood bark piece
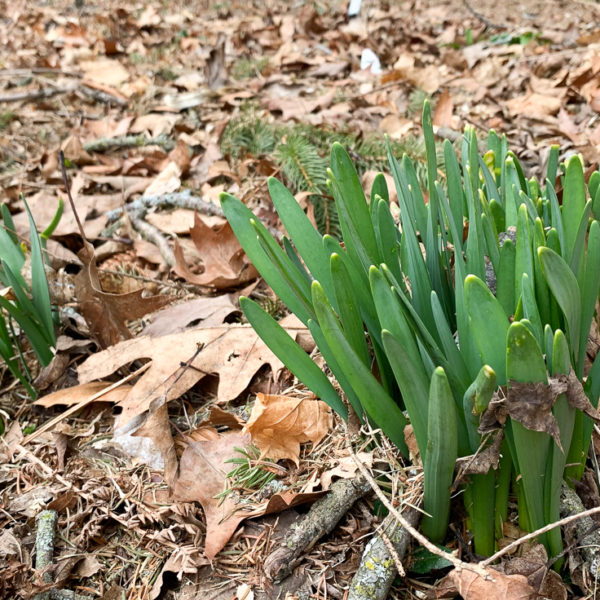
pixel 588 536
pixel 319 521
pixel 129 141
pixel 377 569
pixel 44 556
pixel 44 541
pixel 184 199
pixel 44 546
pixel 152 234
pixel 67 595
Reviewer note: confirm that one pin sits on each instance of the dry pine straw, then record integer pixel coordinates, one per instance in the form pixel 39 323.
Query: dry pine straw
pixel 119 514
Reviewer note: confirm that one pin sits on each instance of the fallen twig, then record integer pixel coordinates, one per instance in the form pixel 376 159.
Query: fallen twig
pixel 44 553
pixel 483 19
pixel 49 92
pixel 138 209
pixel 183 199
pixel 129 141
pixel 481 568
pixel 40 94
pixel 565 521
pixel 381 559
pixel 37 71
pixel 320 520
pixel 73 409
pixel 44 542
pixel 103 96
pixel 152 234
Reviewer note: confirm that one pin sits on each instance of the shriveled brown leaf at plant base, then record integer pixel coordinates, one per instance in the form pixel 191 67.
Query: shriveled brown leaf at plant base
pixel 279 424
pixel 234 352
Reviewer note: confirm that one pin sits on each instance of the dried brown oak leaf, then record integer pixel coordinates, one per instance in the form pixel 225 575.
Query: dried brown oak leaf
pixel 77 393
pixel 533 564
pixel 106 314
pixel 472 586
pixel 279 424
pixel 234 352
pixel 210 310
pixel 225 263
pixel 203 475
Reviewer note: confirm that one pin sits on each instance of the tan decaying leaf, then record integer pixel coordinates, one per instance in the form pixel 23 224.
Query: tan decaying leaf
pixel 225 263
pixel 395 127
pixel 294 108
pixel 472 586
pixel 203 475
pixel 166 182
pixel 211 311
pixel 218 417
pixel 104 71
pixel 52 371
pixel 279 424
pixel 74 151
pixel 154 123
pixel 535 106
pixel 43 207
pixel 106 314
pixel 442 117
pixel 427 78
pixel 107 127
pixel 346 468
pixel 234 352
pixel 158 429
pixel 77 393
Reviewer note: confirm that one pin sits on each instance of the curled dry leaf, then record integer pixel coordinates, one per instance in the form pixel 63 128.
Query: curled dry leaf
pixel 166 182
pixel 294 108
pixel 203 475
pixel 483 461
pixel 225 263
pixel 576 397
pixel 74 395
pixel 442 117
pixel 158 429
pixel 346 468
pixel 212 311
pixel 472 586
pixel 278 424
pixel 185 559
pixel 531 405
pixel 234 352
pixel 106 314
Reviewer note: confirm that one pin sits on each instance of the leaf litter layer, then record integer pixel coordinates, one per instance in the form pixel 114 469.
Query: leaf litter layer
pixel 144 101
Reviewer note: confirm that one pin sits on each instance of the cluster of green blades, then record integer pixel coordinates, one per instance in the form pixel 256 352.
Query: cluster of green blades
pixel 30 308
pixel 404 315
